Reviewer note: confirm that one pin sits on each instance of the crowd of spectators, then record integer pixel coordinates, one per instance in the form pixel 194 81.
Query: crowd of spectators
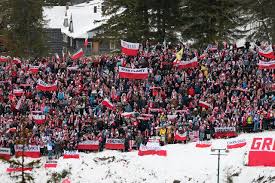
pixel 240 95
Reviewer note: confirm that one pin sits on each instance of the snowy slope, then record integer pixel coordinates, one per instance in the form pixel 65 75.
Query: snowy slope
pixel 184 162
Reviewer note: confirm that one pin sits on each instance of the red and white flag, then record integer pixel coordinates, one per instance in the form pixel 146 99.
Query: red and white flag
pixel 106 102
pixel 203 56
pixel 78 54
pixel 266 65
pixel 130 49
pixel 50 164
pixel 73 68
pixel 42 86
pixel 11 130
pixel 188 64
pixel 267 52
pixel 236 144
pixel 57 56
pixel 115 144
pixel 16 61
pixel 5 153
pixel 4 59
pixel 86 42
pixel 31 151
pixel 33 69
pixel 204 104
pixel 133 73
pixel 19 103
pixel 71 155
pixel 18 92
pixel 38 117
pixel 151 149
pixel 180 137
pixel 128 114
pixel 89 145
pixel 18 169
pixel 203 144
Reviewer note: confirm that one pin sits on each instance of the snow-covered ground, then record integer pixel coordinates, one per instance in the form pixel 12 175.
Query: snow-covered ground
pixel 184 162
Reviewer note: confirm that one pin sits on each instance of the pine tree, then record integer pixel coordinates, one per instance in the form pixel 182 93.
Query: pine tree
pixel 140 20
pixel 22 176
pixel 210 21
pixel 24 30
pixel 262 19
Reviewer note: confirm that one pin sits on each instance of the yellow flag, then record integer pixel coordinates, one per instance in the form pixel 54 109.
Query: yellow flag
pixel 179 54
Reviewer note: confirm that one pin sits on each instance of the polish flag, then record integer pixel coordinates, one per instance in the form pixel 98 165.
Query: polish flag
pixel 203 144
pixel 267 52
pixel 57 56
pixel 42 86
pixel 203 56
pixel 50 164
pixel 5 153
pixel 18 92
pixel 38 117
pixel 236 144
pixel 78 54
pixel 19 169
pixel 86 42
pixel 180 137
pixel 106 102
pixel 128 114
pixel 147 115
pixel 34 69
pixel 16 61
pixel 4 59
pixel 11 130
pixel 159 110
pixel 204 104
pixel 19 104
pixel 141 73
pixel 188 64
pixel 151 149
pixel 73 68
pixel 266 65
pixel 130 49
pixel 71 155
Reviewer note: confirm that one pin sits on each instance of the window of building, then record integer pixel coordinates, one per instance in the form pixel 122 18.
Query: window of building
pixel 95 9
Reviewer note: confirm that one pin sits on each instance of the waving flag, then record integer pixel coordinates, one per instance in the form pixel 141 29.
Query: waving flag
pixel 33 69
pixel 4 59
pixel 133 73
pixel 204 104
pixel 57 56
pixel 16 61
pixel 42 86
pixel 19 103
pixel 106 102
pixel 86 42
pixel 179 55
pixel 78 54
pixel 18 92
pixel 130 49
pixel 266 65
pixel 180 137
pixel 267 53
pixel 188 64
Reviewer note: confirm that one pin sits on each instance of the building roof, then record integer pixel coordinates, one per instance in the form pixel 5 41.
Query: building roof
pixel 54 16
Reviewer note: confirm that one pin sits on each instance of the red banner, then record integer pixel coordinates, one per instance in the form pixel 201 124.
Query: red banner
pixel 262 152
pixel 133 73
pixel 89 145
pixel 71 155
pixel 115 144
pixel 5 153
pixel 29 151
pixel 130 49
pixel 225 132
pixel 236 144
